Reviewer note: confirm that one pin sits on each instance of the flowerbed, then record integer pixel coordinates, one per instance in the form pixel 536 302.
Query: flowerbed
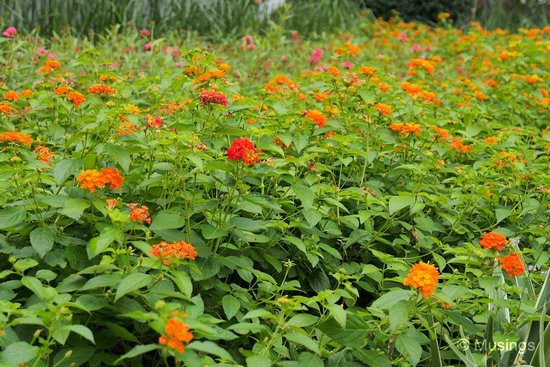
pixel 373 199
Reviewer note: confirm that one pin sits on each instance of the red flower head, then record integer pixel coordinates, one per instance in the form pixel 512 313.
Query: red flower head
pixel 213 97
pixel 513 265
pixel 243 149
pixel 492 240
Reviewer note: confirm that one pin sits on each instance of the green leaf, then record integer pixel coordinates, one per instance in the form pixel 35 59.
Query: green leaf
pixel 257 361
pixel 502 214
pixel 354 335
pixel 108 235
pixel 65 168
pixel 339 314
pixel 302 320
pixel 312 216
pixel 12 216
pixel 399 315
pixel 304 340
pixel 18 353
pixel 75 207
pixel 231 305
pixel 210 348
pixel 25 264
pixel 131 283
pixel 183 282
pixel 137 351
pixel 167 221
pixel 83 331
pixel 391 298
pixel 102 281
pixel 304 194
pixel 119 155
pixel 42 239
pixel 307 359
pixel 399 202
pixel 34 285
pixel 409 347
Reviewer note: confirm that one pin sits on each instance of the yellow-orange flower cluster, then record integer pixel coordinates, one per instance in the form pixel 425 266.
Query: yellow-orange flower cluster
pixel 168 252
pixel 212 74
pixel 512 264
pixel 493 240
pixel 406 128
pixel 383 109
pixel 44 154
pixel 139 213
pixel 423 277
pixel 16 137
pixel 457 144
pixel 101 89
pixel 427 65
pixel 76 97
pixel 50 66
pixel 317 117
pixel 176 332
pixel 93 179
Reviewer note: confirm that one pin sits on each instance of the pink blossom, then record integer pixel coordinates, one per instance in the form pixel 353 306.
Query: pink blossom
pixel 251 46
pixel 248 39
pixel 283 58
pixel 144 32
pixel 41 51
pixel 348 65
pixel 147 46
pixel 10 32
pixel 459 69
pixel 403 36
pixel 416 47
pixel 315 57
pixel 180 64
pixel 52 56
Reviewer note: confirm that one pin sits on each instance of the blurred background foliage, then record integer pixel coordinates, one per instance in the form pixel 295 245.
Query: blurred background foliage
pixel 233 18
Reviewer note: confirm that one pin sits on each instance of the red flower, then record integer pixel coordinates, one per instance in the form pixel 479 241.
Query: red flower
pixel 139 214
pixel 492 240
pixel 243 149
pixel 513 265
pixel 209 97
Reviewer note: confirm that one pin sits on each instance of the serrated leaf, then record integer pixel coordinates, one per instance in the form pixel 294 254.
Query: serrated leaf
pixel 42 239
pixel 231 305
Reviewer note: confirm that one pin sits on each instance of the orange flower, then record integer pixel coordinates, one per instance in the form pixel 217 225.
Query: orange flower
pixel 16 137
pixel 212 74
pixel 513 265
pixel 50 66
pixel 91 180
pixel 411 89
pixel 6 108
pixel 320 96
pixel 443 134
pixel 367 70
pixel 384 87
pixel 176 332
pixel 490 140
pixel 101 89
pixel 44 154
pixel 406 129
pixel 480 96
pixel 113 177
pixel 424 277
pixel 427 65
pixel 111 203
pixel 384 109
pixel 11 95
pixel 61 90
pixel 317 117
pixel 352 49
pixel 492 240
pixel 457 144
pixel 76 98
pixel 139 214
pixel 126 127
pixel 167 252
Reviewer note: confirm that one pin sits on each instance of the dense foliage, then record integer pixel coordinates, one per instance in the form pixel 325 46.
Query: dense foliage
pixel 378 198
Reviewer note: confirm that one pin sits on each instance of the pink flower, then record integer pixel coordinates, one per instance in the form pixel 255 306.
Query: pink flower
pixel 348 65
pixel 403 36
pixel 147 47
pixel 41 51
pixel 248 39
pixel 315 57
pixel 283 58
pixel 459 69
pixel 144 32
pixel 295 35
pixel 250 46
pixel 10 32
pixel 180 64
pixel 416 47
pixel 52 56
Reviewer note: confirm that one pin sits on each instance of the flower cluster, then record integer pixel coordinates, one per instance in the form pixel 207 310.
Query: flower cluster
pixel 406 128
pixel 243 149
pixel 93 179
pixel 424 277
pixel 167 252
pixel 139 214
pixel 176 332
pixel 16 137
pixel 317 117
pixel 101 89
pixel 213 97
